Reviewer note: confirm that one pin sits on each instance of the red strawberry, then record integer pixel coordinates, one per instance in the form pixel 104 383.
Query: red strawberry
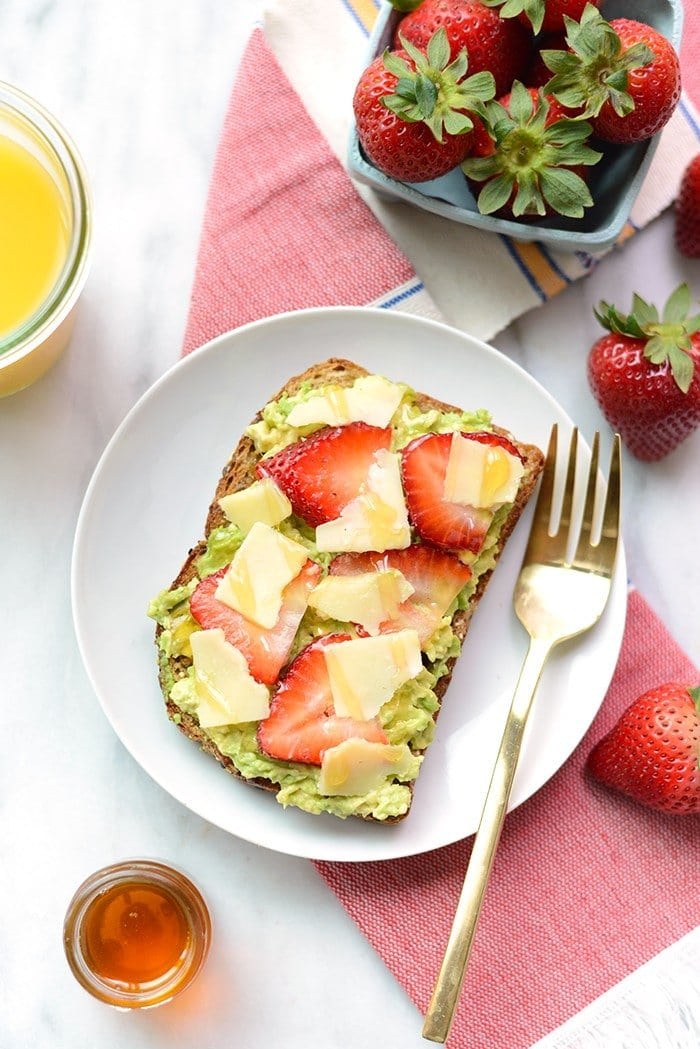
pixel 424 466
pixel 412 109
pixel 302 722
pixel 537 158
pixel 322 473
pixel 266 651
pixel 645 373
pixel 624 72
pixel 498 45
pixel 653 752
pixel 687 213
pixel 542 15
pixel 436 577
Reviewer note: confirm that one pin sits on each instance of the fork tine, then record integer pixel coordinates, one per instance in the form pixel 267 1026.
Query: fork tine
pixel 559 541
pixel 543 545
pixel 543 507
pixel 611 514
pixel 600 557
pixel 584 540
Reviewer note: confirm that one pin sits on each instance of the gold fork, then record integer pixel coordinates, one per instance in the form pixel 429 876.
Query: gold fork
pixel 555 598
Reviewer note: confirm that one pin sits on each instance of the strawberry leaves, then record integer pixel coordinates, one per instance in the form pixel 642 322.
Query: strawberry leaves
pixel 531 166
pixel 534 10
pixel 596 68
pixel 667 337
pixel 694 694
pixel 433 90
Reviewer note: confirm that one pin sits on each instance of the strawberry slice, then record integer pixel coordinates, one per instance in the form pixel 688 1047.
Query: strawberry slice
pixel 322 473
pixel 266 651
pixel 424 466
pixel 302 722
pixel 436 577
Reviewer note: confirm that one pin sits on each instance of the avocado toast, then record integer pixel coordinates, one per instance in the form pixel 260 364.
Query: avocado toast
pixel 309 638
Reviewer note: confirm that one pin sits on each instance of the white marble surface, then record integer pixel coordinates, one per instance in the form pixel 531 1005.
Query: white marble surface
pixel 142 86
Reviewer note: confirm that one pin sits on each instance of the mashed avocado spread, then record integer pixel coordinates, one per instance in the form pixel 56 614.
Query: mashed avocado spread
pixel 408 716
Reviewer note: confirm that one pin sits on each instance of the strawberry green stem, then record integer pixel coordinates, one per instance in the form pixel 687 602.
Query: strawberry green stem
pixel 533 9
pixel 695 696
pixel 530 166
pixel 667 338
pixel 436 91
pixel 596 68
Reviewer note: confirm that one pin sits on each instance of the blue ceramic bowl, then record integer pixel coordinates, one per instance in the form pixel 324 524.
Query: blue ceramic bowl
pixel 615 180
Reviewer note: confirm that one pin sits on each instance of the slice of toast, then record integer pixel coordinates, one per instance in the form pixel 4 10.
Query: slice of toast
pixel 239 473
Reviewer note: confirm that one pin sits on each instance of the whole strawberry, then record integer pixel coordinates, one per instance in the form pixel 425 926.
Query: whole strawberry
pixel 533 161
pixel 645 374
pixel 501 46
pixel 687 211
pixel 412 109
pixel 543 15
pixel 624 72
pixel 653 752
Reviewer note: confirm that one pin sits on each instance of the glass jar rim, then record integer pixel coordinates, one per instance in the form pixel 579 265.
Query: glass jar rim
pixel 69 283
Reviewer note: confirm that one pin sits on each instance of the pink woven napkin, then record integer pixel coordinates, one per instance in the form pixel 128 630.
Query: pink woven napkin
pixel 586 886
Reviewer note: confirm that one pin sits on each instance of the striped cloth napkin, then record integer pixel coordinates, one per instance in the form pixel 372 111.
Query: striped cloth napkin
pixel 285 230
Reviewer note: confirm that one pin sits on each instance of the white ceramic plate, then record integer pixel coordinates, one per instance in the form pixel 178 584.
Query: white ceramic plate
pixel 146 506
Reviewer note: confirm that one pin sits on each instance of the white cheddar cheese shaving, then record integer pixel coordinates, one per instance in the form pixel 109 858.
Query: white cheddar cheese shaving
pixel 369 598
pixel 481 475
pixel 261 501
pixel 365 672
pixel 356 767
pixel 226 692
pixel 371 399
pixel 264 564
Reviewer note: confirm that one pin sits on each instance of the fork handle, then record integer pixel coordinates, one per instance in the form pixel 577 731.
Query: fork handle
pixel 440 1012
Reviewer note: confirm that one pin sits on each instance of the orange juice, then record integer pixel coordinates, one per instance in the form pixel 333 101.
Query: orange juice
pixel 35 235
pixel 45 238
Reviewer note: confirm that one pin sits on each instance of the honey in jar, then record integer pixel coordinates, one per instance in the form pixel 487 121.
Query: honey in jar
pixel 136 933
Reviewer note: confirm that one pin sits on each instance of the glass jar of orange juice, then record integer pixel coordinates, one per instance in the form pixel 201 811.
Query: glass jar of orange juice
pixel 45 233
pixel 136 933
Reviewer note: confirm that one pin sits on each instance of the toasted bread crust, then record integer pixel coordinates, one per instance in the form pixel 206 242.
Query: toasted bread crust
pixel 239 472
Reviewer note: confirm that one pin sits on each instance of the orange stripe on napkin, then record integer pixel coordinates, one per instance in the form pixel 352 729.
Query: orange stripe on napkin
pixel 548 279
pixel 365 11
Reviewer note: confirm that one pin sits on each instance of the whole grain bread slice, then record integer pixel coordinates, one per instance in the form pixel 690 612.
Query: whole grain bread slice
pixel 240 471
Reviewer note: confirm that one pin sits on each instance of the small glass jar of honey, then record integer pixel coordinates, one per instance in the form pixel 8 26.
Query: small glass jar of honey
pixel 45 238
pixel 136 933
